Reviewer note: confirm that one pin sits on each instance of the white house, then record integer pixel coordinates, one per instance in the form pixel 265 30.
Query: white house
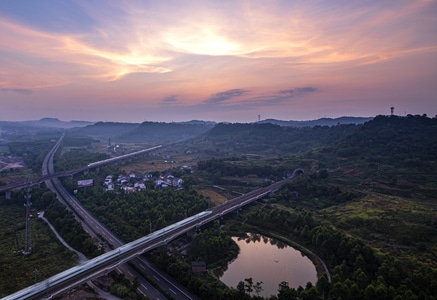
pixel 110 187
pixel 139 186
pixel 177 181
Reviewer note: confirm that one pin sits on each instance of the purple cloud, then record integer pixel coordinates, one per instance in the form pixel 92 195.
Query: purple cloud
pixel 298 91
pixel 223 96
pixel 19 91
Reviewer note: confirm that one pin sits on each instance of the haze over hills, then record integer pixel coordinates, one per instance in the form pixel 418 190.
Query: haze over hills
pixel 319 122
pixel 56 123
pixel 150 132
pixel 45 123
pixel 162 132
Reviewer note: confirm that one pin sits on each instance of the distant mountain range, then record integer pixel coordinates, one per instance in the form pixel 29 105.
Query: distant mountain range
pixel 319 122
pixel 56 123
pixel 45 122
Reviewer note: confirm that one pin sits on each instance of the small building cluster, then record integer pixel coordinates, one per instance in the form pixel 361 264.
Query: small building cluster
pixel 137 182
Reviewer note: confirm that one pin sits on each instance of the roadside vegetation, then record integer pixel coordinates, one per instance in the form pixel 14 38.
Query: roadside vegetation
pixel 133 215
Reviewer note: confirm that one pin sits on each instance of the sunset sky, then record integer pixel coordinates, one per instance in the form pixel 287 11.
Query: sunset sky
pixel 227 60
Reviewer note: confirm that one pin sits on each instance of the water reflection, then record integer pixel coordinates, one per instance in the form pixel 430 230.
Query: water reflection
pixel 270 261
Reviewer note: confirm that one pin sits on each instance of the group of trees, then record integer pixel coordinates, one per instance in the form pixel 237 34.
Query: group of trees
pixel 133 215
pixel 124 288
pixel 213 245
pixel 218 168
pixel 357 273
pixel 75 158
pixel 66 225
pixel 403 141
pixel 32 152
pixel 275 139
pixel 315 193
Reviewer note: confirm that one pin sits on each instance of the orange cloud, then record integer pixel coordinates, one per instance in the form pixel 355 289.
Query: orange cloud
pixel 67 58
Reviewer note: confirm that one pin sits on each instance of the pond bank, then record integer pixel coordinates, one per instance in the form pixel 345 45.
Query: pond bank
pixel 317 261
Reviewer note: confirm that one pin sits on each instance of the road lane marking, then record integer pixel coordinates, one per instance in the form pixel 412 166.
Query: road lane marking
pixel 172 291
pixel 156 278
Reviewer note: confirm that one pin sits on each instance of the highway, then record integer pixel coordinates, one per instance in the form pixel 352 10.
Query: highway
pixel 118 256
pixel 97 230
pixel 133 250
pixel 106 262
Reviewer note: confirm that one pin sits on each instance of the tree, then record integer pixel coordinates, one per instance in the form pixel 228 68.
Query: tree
pixel 241 288
pixel 285 292
pixel 248 285
pixel 323 285
pixel 258 287
pixel 188 182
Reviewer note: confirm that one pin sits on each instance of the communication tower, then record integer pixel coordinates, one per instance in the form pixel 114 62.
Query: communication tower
pixel 392 110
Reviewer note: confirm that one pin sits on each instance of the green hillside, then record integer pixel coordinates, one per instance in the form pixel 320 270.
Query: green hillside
pixel 270 139
pixel 373 184
pixel 161 132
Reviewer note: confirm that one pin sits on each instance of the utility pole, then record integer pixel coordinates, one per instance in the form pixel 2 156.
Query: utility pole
pixel 27 244
pixel 392 110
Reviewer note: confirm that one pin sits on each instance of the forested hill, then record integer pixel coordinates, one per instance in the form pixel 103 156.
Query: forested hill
pixel 146 132
pixel 410 139
pixel 274 139
pixel 319 122
pixel 165 132
pixel 104 129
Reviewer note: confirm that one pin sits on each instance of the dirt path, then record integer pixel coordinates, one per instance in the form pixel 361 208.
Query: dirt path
pixel 82 257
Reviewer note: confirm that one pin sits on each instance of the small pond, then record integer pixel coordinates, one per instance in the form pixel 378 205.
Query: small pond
pixel 269 261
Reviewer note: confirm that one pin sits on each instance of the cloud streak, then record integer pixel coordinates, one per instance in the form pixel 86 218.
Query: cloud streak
pixel 240 99
pixel 170 100
pixel 298 91
pixel 19 91
pixel 221 98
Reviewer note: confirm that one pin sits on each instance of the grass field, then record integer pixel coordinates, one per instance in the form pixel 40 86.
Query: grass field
pixel 390 224
pixel 215 197
pixel 160 164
